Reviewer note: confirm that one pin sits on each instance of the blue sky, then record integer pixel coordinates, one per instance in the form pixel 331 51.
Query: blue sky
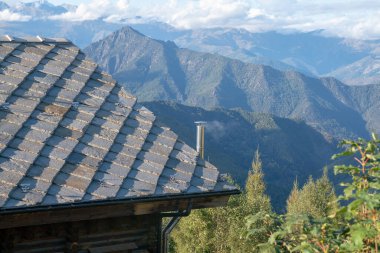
pixel 347 18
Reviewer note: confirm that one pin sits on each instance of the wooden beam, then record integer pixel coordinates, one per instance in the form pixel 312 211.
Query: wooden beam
pixel 106 211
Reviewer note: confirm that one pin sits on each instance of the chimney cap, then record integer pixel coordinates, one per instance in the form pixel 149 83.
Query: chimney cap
pixel 200 123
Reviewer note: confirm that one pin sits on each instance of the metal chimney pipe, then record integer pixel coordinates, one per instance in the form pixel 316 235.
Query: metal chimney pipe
pixel 200 138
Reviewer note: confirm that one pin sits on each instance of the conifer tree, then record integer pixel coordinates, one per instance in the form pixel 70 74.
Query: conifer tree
pixel 316 198
pixel 221 229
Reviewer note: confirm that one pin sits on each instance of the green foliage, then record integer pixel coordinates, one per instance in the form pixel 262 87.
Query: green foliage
pixel 221 229
pixel 315 199
pixel 355 226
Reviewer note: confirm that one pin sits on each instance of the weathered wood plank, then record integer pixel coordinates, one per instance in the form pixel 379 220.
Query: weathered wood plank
pixel 106 211
pixel 113 248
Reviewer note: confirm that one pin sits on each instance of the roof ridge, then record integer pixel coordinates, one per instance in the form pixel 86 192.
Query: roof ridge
pixel 32 39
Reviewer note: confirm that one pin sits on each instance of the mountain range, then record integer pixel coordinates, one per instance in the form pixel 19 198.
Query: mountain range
pixel 157 70
pixel 352 61
pixel 289 149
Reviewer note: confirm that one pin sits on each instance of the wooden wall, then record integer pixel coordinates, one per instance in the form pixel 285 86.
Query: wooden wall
pixel 131 234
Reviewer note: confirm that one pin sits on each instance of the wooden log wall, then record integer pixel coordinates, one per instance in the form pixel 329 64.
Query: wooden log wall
pixel 131 234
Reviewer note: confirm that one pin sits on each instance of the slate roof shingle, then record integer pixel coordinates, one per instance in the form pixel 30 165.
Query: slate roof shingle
pixel 70 134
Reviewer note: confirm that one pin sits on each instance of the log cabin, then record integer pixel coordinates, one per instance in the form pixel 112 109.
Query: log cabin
pixel 83 166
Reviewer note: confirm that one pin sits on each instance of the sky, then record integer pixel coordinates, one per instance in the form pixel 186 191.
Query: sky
pixel 346 18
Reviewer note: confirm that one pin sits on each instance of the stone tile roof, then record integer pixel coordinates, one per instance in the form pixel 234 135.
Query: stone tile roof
pixel 69 133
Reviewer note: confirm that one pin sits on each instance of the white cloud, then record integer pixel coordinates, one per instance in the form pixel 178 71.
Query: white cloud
pixel 7 15
pixel 108 9
pixel 356 19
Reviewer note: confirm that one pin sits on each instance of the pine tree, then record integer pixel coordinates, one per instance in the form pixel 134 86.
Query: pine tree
pixel 316 198
pixel 221 229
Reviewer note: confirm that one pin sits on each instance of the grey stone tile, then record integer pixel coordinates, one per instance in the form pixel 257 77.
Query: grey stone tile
pixel 15 203
pixel 123 149
pixel 62 143
pixel 25 145
pixel 46 173
pixel 88 100
pixel 60 57
pixel 52 70
pixel 78 125
pixel 13 165
pixel 39 125
pixel 50 200
pixel 137 134
pixel 30 57
pixel 81 159
pixel 65 132
pixel 203 183
pixel 157 148
pixel 193 189
pixel 41 77
pixel 96 141
pixel 99 85
pixel 39 52
pixel 138 124
pixel 31 197
pixel 49 162
pixel 69 194
pixel 100 122
pixel 55 153
pixel 33 135
pixel 181 166
pixel 109 179
pixel 21 61
pixel 151 157
pixel 161 139
pixel 137 187
pixel 92 151
pixel 120 159
pixel 182 156
pixel 11 177
pixel 97 93
pixel 44 116
pixel 72 181
pixel 169 185
pixel 67 94
pixel 79 170
pixel 63 51
pixel 69 84
pixel 148 167
pixel 179 145
pixel 143 176
pixel 75 76
pixel 177 176
pixel 207 173
pixel 19 155
pixel 74 114
pixel 17 67
pixel 9 128
pixel 115 169
pixel 10 79
pixel 102 189
pixel 111 116
pixel 105 133
pixel 103 77
pixel 5 189
pixel 27 184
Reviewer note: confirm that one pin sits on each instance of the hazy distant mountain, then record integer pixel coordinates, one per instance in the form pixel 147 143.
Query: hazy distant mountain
pixel 290 149
pixel 310 53
pixel 157 70
pixel 38 9
pixel 81 33
pixel 3 6
pixel 363 71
